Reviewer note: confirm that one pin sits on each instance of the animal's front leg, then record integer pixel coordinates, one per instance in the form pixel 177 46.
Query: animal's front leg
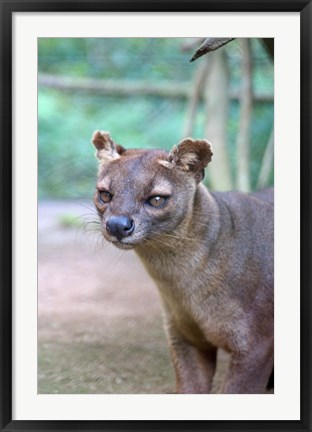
pixel 249 373
pixel 194 368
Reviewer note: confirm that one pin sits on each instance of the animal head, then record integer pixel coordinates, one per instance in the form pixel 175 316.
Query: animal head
pixel 142 194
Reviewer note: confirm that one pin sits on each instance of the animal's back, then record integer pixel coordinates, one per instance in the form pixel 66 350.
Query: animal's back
pixel 265 195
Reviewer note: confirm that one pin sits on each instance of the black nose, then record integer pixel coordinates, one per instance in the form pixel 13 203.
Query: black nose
pixel 120 226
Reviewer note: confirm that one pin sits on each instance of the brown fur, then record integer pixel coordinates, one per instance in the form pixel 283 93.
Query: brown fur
pixel 210 254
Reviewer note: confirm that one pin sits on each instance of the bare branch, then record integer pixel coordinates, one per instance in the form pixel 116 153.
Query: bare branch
pixel 124 88
pixel 210 44
pixel 108 87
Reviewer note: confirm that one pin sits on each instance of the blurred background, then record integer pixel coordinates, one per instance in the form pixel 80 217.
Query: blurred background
pixel 99 319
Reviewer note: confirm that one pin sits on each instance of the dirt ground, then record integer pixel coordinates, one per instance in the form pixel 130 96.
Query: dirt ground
pixel 100 324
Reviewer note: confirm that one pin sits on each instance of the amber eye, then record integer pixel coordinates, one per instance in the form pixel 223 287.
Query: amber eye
pixel 157 201
pixel 105 196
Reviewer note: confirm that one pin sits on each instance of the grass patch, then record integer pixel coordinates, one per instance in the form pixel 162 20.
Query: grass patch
pixel 70 221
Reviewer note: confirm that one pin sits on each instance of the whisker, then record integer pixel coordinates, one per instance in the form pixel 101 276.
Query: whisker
pixel 117 260
pixel 89 206
pixel 158 240
pixel 177 237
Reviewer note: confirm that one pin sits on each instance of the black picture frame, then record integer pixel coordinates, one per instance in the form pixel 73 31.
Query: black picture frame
pixel 8 7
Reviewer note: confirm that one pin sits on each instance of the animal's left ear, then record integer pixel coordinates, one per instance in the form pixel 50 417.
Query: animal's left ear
pixel 192 156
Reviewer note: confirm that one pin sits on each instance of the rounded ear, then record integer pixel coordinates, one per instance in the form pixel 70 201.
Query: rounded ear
pixel 107 150
pixel 192 156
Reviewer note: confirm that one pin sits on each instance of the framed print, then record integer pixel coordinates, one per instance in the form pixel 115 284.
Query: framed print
pixel 91 339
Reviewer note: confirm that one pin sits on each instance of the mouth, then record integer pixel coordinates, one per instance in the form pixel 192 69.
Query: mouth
pixel 121 244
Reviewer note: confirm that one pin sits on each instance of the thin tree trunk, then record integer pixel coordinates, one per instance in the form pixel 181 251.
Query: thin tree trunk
pixel 198 84
pixel 243 135
pixel 267 163
pixel 217 104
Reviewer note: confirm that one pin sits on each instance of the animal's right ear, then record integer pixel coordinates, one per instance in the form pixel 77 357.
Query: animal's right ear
pixel 107 150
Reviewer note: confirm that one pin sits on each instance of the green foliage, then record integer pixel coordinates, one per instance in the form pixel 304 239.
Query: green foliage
pixel 70 221
pixel 131 58
pixel 261 126
pixel 67 166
